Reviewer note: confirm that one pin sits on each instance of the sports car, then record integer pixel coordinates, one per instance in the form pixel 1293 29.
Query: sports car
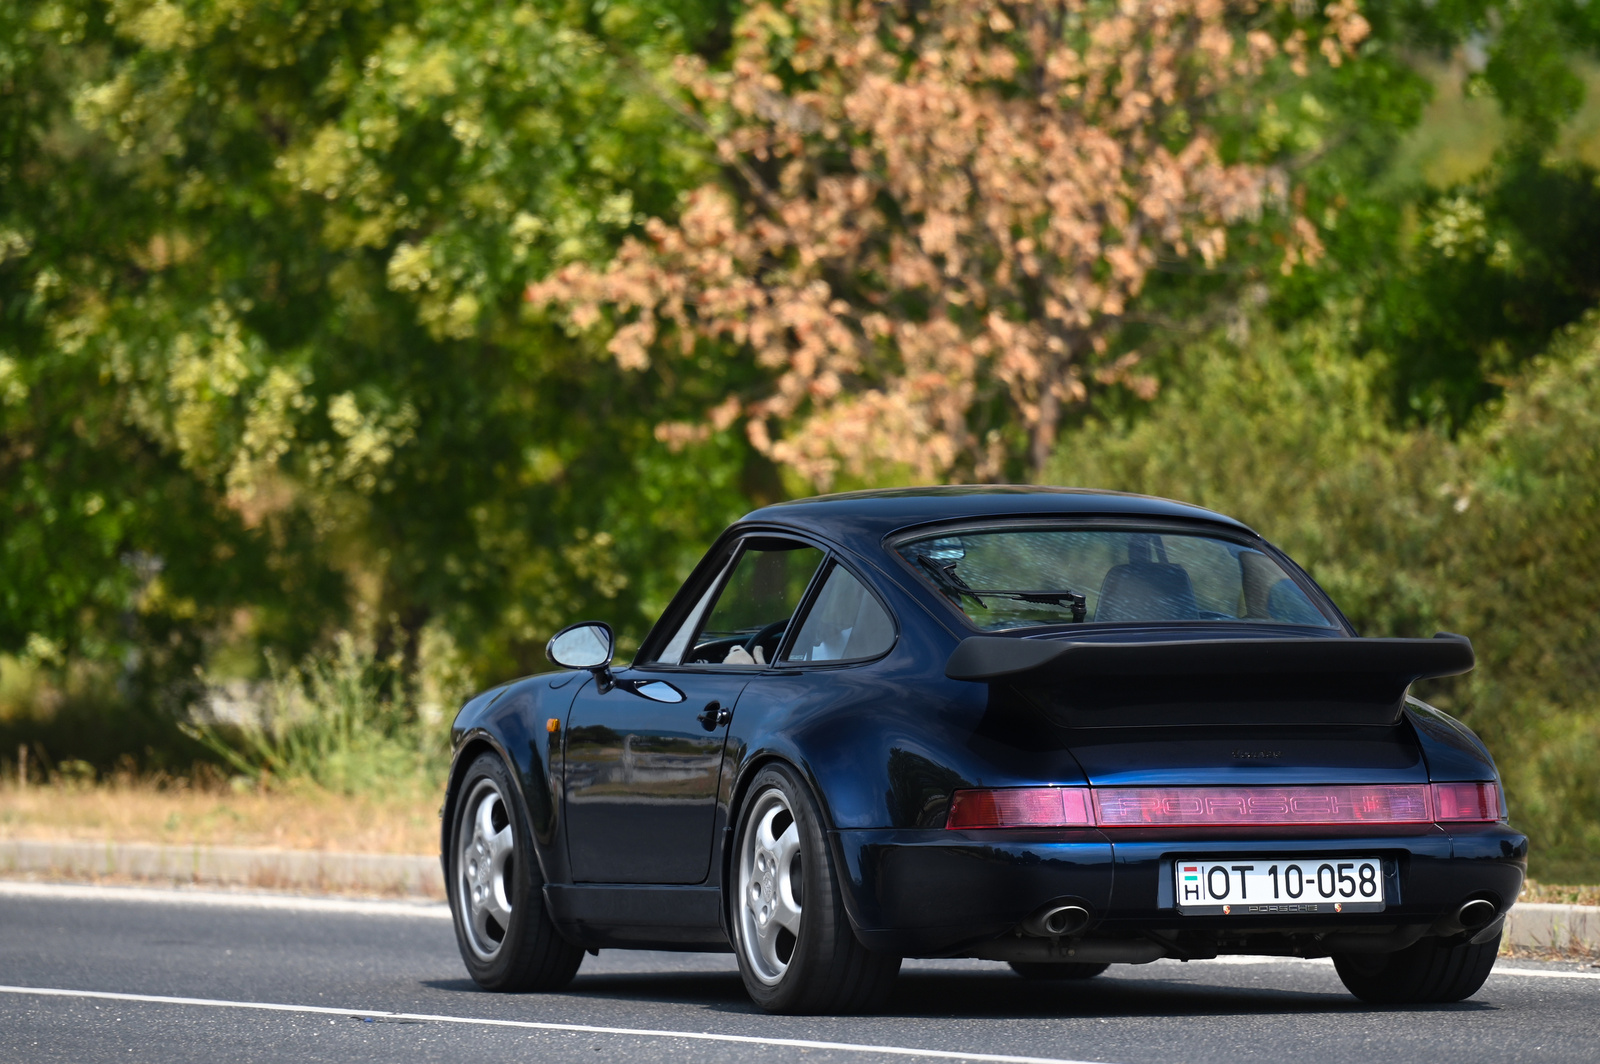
pixel 1055 728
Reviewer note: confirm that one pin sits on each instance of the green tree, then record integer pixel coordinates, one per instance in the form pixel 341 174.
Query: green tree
pixel 1490 272
pixel 263 368
pixel 933 218
pixel 1490 533
pixel 1462 286
pixel 1455 288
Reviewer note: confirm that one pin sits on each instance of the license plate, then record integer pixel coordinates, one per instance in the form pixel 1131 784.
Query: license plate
pixel 1267 887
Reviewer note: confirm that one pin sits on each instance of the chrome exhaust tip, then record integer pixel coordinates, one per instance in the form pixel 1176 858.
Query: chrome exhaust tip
pixel 1476 914
pixel 1053 921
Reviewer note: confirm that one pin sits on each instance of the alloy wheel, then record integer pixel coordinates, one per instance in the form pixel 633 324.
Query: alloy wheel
pixel 485 867
pixel 770 887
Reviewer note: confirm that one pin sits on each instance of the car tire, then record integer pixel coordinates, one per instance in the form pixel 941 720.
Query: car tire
pixel 1047 970
pixel 796 950
pixel 495 888
pixel 1432 971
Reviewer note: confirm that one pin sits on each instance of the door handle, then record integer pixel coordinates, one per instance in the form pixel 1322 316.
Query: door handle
pixel 714 716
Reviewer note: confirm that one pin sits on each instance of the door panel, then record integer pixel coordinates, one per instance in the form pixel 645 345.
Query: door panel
pixel 641 778
pixel 642 774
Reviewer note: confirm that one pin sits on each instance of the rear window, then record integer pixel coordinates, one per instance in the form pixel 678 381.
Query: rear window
pixel 1026 577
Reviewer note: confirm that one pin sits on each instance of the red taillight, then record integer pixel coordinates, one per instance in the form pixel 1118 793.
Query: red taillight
pixel 1466 801
pixel 1173 807
pixel 1020 807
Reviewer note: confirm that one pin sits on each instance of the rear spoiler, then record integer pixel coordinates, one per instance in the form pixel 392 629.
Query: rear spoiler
pixel 1206 681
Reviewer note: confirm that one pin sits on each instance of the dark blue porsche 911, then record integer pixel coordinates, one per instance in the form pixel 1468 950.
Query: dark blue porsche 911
pixel 1061 729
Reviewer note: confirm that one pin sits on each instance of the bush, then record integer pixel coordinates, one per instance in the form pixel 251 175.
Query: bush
pixel 1492 533
pixel 89 713
pixel 346 721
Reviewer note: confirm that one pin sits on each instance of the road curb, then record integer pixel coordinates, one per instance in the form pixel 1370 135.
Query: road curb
pixel 1554 928
pixel 297 870
pixel 1529 925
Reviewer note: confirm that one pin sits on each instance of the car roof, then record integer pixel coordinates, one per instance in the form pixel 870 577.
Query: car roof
pixel 858 518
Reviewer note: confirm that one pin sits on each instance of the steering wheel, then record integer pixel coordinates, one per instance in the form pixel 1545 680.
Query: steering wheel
pixel 775 628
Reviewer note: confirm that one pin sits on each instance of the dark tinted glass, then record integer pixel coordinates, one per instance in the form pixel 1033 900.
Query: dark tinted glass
pixel 845 623
pixel 746 622
pixel 1014 579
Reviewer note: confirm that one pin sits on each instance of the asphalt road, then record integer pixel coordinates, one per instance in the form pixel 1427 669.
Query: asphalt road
pixel 269 983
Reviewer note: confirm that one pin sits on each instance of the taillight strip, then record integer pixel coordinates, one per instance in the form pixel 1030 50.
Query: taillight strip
pixel 1011 807
pixel 1177 807
pixel 1478 802
pixel 1399 803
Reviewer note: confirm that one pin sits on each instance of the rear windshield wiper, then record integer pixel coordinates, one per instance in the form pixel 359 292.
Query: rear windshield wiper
pixel 1074 599
pixel 949 580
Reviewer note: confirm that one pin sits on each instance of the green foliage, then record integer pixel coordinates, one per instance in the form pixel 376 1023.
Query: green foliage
pixel 83 712
pixel 1494 267
pixel 1455 288
pixel 266 375
pixel 1491 534
pixel 336 723
pixel 263 370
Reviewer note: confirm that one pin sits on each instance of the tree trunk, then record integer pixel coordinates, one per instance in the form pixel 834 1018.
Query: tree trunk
pixel 1043 442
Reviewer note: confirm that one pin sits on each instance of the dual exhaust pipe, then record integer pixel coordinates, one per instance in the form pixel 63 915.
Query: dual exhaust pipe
pixel 1056 920
pixel 1064 919
pixel 1476 914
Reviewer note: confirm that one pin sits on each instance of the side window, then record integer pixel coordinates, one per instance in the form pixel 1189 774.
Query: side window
pixel 751 613
pixel 845 623
pixel 672 653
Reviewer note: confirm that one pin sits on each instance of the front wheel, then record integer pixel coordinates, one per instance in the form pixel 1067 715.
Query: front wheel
pixel 796 950
pixel 505 936
pixel 1431 971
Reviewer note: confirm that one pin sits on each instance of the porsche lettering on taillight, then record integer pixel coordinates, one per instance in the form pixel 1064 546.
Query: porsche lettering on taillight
pixel 1198 806
pixel 1403 803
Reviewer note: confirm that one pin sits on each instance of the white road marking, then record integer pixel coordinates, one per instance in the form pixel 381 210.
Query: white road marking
pixel 225 899
pixel 1499 969
pixel 1542 973
pixel 1250 960
pixel 440 911
pixel 576 1028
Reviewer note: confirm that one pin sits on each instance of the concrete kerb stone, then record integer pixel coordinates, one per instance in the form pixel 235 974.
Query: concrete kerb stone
pixel 1554 928
pixel 1533 926
pixel 296 870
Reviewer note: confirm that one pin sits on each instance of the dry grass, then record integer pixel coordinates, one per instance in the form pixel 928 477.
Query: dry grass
pixel 1548 892
pixel 1575 955
pixel 177 812
pixel 1534 891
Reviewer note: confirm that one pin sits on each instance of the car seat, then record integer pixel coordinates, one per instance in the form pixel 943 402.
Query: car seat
pixel 1147 591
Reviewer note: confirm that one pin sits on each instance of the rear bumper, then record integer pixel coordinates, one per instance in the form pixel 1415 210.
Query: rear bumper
pixel 945 893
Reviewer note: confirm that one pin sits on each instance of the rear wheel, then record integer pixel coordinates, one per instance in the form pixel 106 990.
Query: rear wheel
pixel 1046 970
pixel 1431 971
pixel 796 950
pixel 496 897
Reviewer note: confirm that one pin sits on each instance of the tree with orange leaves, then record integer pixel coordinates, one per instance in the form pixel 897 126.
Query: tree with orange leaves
pixel 935 215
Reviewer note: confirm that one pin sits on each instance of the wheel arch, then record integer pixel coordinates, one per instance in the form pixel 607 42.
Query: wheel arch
pixel 740 791
pixel 477 742
pixel 480 741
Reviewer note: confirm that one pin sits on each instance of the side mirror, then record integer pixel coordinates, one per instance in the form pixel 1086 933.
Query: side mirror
pixel 589 645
